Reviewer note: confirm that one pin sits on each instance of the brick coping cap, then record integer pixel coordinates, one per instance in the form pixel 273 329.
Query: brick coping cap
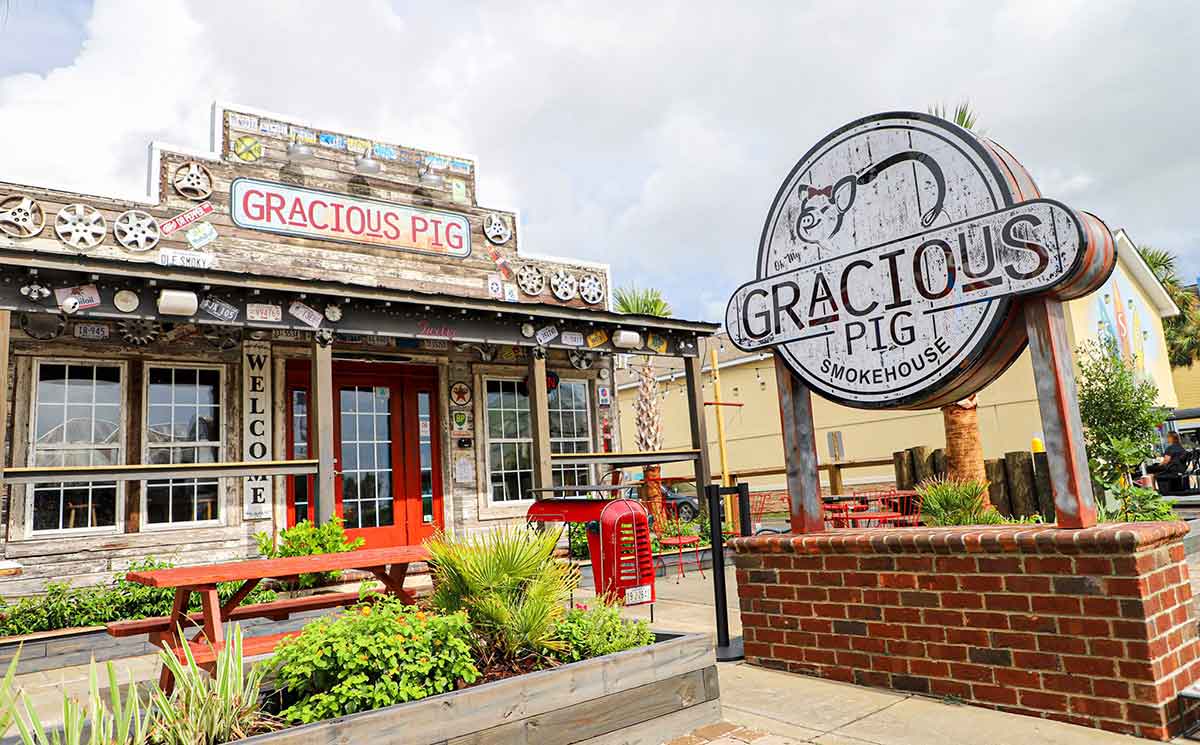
pixel 1109 537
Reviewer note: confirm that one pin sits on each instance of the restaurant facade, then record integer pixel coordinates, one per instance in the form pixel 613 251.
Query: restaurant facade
pixel 298 324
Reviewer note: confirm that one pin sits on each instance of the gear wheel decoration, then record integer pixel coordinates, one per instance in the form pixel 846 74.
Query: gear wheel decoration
pixel 137 231
pixel 80 226
pixel 496 229
pixel 41 326
pixel 21 217
pixel 581 360
pixel 193 181
pixel 223 337
pixel 139 332
pixel 563 285
pixel 531 280
pixel 591 289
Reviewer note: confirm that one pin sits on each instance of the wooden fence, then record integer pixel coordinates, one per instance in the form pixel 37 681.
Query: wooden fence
pixel 1018 483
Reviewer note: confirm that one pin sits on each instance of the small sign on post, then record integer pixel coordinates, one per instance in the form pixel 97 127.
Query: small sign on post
pixel 257 491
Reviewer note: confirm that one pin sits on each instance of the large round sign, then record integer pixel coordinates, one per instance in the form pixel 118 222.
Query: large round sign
pixel 893 259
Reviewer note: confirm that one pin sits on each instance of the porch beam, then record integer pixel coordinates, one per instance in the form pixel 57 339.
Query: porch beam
pixel 146 471
pixel 539 418
pixel 321 410
pixel 699 430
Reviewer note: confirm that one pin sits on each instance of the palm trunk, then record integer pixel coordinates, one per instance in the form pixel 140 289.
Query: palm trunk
pixel 964 446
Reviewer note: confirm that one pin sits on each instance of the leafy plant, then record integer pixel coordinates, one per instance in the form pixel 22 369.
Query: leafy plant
pixel 371 656
pixel 600 630
pixel 207 709
pixel 306 539
pixel 510 585
pixel 1120 413
pixel 1135 504
pixel 63 606
pixel 1181 332
pixel 952 502
pixel 98 721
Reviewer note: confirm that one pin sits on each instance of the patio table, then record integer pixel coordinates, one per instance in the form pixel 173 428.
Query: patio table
pixel 389 565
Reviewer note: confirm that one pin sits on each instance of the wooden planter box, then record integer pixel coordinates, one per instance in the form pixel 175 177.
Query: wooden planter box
pixel 640 697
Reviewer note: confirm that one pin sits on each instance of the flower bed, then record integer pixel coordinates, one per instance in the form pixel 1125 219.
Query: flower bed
pixel 664 690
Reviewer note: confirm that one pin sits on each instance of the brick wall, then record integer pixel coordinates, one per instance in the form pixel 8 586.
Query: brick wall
pixel 1093 627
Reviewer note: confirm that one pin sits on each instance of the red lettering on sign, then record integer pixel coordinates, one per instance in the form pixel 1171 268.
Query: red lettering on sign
pixel 275 204
pixel 350 215
pixel 297 212
pixel 312 214
pixel 416 231
pixel 454 235
pixel 254 212
pixel 337 216
pixel 425 329
pixel 392 231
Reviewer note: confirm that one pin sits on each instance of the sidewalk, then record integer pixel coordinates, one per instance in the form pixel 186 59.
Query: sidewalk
pixel 767 707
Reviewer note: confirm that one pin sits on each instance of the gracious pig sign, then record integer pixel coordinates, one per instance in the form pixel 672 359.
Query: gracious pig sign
pixel 894 257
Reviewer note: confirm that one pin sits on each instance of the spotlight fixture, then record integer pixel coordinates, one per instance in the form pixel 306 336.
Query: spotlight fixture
pixel 367 165
pixel 177 303
pixel 299 152
pixel 625 339
pixel 429 177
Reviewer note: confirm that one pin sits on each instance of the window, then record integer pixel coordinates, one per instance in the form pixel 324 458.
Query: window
pixel 570 429
pixel 366 456
pixel 510 436
pixel 510 441
pixel 301 485
pixel 425 440
pixel 77 422
pixel 183 425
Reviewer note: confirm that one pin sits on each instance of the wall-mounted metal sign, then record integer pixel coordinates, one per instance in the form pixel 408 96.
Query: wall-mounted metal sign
pixel 892 260
pixel 311 213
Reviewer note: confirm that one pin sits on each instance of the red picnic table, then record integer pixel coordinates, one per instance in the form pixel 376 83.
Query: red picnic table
pixel 389 565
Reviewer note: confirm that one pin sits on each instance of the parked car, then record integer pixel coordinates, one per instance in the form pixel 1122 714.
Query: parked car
pixel 676 500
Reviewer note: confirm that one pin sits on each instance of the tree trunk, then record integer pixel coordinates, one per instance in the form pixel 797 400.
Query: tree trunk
pixel 964 446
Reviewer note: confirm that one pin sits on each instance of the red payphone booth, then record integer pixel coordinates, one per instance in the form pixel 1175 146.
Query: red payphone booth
pixel 618 533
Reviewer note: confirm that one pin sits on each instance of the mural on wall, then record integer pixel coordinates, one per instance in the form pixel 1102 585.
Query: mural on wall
pixel 1122 316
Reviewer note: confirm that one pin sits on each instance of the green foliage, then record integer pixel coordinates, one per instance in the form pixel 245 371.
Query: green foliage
pixel 962 115
pixel 1181 332
pixel 1120 413
pixel 1135 504
pixel 204 708
pixel 371 656
pixel 673 528
pixel 101 720
pixel 597 631
pixel 951 502
pixel 641 301
pixel 62 606
pixel 511 586
pixel 306 539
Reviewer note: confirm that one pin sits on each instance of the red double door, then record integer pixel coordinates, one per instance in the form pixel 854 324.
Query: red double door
pixel 386 419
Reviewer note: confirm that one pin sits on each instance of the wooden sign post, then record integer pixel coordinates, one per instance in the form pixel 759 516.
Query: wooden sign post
pixel 905 263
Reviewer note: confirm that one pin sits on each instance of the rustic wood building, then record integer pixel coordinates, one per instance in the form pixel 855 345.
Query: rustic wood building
pixel 298 324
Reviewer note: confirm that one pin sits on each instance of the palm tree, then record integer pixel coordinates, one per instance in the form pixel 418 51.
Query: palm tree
pixel 648 407
pixel 1182 332
pixel 960 420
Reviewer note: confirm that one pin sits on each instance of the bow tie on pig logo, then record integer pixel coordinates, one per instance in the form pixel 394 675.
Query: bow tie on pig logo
pixel 823 209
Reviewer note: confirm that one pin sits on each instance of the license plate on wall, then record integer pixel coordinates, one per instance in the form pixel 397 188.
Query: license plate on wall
pixel 637 595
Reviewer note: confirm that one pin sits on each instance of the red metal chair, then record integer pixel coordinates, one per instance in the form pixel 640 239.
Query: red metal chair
pixel 875 509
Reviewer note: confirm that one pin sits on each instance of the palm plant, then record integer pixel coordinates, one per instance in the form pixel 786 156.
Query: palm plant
pixel 1182 332
pixel 947 501
pixel 648 408
pixel 511 586
pixel 960 420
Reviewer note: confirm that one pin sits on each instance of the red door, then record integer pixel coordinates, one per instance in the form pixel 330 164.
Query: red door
pixel 386 452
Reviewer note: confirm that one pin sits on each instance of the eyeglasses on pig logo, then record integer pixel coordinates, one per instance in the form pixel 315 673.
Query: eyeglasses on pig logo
pixel 895 258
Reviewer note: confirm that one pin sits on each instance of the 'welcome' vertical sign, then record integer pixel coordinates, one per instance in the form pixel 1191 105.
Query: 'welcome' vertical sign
pixel 256 427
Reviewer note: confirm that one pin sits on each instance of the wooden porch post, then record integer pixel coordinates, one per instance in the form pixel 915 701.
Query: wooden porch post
pixel 5 336
pixel 799 451
pixel 539 418
pixel 691 369
pixel 1062 429
pixel 321 410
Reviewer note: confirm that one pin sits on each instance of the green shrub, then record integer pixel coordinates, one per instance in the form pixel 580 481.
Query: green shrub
pixel 511 586
pixel 62 606
pixel 600 630
pixel 952 502
pixel 1134 504
pixel 371 656
pixel 306 539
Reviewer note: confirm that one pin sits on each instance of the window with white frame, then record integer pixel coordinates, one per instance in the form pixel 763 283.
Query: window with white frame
pixel 77 421
pixel 570 429
pixel 510 436
pixel 184 424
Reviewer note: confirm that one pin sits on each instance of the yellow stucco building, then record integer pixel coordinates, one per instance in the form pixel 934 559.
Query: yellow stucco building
pixel 1129 309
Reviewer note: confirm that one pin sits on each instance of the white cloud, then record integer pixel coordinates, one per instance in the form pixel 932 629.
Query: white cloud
pixel 652 136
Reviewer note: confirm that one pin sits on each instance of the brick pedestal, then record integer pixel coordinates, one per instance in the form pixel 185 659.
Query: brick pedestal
pixel 1094 626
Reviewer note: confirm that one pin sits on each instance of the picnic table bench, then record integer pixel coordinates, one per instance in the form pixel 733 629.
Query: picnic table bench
pixel 389 565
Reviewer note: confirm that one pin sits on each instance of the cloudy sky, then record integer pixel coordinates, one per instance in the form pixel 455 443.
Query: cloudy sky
pixel 651 135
